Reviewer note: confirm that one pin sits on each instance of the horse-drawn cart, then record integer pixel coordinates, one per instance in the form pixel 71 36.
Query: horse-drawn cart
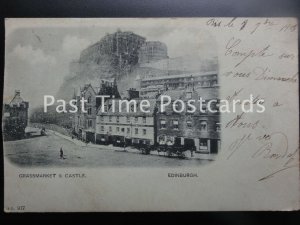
pixel 168 150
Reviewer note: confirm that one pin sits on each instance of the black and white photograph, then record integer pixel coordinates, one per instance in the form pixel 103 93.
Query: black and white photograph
pixel 151 114
pixel 49 67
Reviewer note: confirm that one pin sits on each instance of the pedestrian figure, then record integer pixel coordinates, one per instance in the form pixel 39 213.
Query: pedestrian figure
pixel 192 151
pixel 61 153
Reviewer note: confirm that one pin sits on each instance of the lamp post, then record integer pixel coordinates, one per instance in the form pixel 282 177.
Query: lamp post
pixel 192 79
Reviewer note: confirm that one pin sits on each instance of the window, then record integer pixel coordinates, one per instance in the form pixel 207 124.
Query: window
pixel 122 129
pixel 144 119
pixel 128 119
pixel 90 123
pixel 110 118
pixel 189 94
pixel 110 129
pixel 128 130
pixel 6 114
pixel 204 108
pixel 132 108
pixel 118 119
pixel 189 124
pixel 101 118
pixel 144 131
pixel 203 125
pixel 162 124
pixel 136 119
pixel 218 127
pixel 175 124
pixel 118 129
pixel 179 106
pixel 89 111
pixel 203 144
pixel 162 139
pixel 89 100
pixel 102 128
pixel 136 130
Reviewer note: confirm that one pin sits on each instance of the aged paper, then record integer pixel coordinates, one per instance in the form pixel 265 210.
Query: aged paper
pixel 164 151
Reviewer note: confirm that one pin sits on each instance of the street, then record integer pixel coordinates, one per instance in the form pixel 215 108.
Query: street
pixel 44 151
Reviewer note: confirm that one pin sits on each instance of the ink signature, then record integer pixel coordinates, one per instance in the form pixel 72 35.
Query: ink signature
pixel 268 151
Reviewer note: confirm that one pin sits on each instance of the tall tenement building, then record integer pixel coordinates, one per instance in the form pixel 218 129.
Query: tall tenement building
pixel 130 127
pixel 15 117
pixel 84 125
pixel 180 81
pixel 199 130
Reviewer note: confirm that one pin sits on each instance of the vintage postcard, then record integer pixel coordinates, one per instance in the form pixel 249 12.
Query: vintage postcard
pixel 151 114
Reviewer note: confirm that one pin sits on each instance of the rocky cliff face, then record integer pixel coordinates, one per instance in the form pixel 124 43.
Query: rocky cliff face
pixel 118 50
pixel 114 56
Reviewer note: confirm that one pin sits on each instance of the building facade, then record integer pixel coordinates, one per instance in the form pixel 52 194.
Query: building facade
pixel 84 126
pixel 126 126
pixel 182 81
pixel 15 117
pixel 115 122
pixel 152 91
pixel 84 122
pixel 199 131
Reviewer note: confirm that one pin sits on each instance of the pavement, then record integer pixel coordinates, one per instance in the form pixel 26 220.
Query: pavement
pixel 44 151
pixel 204 156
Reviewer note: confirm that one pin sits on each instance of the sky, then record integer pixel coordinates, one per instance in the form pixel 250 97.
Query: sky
pixel 37 58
